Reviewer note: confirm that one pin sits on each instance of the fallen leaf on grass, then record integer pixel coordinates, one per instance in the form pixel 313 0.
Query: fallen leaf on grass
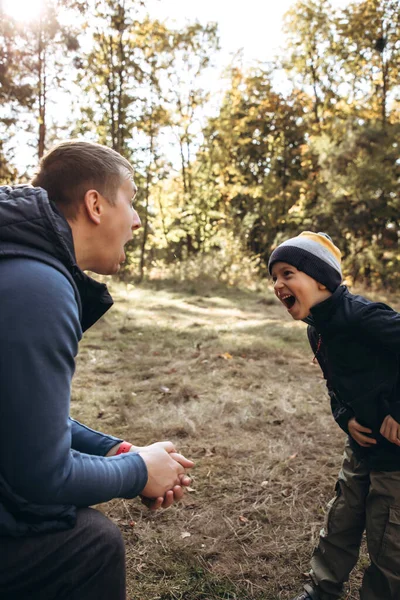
pixel 185 534
pixel 189 489
pixel 292 456
pixel 165 390
pixel 225 356
pixel 243 519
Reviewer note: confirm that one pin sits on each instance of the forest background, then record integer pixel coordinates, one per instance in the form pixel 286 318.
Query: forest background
pixel 307 141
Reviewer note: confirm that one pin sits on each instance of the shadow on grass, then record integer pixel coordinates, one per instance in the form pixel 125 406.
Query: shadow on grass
pixel 205 287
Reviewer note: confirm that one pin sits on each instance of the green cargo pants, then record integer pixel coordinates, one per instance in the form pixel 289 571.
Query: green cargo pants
pixel 364 500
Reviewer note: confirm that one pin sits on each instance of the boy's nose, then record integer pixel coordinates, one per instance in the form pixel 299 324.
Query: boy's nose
pixel 136 222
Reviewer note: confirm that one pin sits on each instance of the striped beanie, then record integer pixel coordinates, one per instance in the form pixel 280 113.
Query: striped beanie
pixel 313 253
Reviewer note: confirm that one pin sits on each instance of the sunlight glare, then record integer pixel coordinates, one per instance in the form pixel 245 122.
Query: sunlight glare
pixel 23 10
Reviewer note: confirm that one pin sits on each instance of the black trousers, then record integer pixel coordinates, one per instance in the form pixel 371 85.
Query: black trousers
pixel 83 563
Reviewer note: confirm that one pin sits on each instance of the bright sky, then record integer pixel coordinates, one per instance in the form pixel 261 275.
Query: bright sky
pixel 23 10
pixel 254 25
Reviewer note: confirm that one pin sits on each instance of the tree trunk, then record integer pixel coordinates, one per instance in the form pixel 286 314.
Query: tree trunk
pixel 146 211
pixel 41 93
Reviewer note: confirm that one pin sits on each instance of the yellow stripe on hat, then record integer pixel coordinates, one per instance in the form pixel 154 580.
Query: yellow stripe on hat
pixel 324 241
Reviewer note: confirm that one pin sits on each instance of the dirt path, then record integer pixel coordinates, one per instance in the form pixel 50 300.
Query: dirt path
pixel 228 377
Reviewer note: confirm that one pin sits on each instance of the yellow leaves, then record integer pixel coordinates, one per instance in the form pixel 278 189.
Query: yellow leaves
pixel 225 356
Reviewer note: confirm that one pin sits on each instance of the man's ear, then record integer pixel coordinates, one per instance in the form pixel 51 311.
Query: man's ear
pixel 93 203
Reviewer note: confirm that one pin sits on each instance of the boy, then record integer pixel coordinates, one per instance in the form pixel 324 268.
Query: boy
pixel 357 344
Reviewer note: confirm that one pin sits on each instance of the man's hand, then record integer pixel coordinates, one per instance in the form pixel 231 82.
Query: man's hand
pixel 175 493
pixel 166 474
pixel 356 431
pixel 390 429
pixel 169 498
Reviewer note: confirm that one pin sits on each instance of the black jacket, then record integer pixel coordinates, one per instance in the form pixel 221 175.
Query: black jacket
pixel 357 344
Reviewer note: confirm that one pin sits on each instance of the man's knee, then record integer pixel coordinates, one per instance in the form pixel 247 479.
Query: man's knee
pixel 112 540
pixel 107 537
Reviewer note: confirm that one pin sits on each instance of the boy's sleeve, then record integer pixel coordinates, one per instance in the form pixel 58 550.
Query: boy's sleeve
pixel 380 324
pixel 342 414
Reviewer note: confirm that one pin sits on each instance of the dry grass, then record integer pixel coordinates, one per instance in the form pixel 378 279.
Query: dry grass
pixel 227 376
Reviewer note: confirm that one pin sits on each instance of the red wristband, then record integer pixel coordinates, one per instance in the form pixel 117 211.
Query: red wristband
pixel 124 447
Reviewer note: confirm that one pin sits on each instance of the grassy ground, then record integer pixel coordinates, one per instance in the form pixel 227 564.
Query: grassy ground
pixel 227 376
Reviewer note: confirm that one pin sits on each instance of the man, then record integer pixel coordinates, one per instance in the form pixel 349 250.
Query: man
pixel 77 217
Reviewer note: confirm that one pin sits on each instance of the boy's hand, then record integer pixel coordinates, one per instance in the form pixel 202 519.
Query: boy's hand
pixel 357 433
pixel 390 429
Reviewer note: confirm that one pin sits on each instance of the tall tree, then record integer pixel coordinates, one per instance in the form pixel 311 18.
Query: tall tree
pixel 33 62
pixel 194 49
pixel 154 40
pixel 256 144
pixel 369 33
pixel 111 73
pixel 312 40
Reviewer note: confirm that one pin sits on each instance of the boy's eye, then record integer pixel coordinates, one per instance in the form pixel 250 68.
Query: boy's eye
pixel 287 273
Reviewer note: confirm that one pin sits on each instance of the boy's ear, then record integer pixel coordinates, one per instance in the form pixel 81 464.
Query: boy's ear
pixel 93 206
pixel 321 286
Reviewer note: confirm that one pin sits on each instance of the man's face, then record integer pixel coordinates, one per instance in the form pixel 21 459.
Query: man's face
pixel 297 291
pixel 117 226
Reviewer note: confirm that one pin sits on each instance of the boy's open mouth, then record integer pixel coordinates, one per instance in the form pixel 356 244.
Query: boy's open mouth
pixel 288 300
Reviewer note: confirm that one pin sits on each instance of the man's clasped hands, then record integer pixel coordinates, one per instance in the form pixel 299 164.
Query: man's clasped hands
pixel 167 476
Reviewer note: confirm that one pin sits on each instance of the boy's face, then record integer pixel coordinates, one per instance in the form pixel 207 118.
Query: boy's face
pixel 118 223
pixel 297 291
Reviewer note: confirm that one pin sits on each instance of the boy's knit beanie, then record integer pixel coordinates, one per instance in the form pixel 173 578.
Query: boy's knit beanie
pixel 313 253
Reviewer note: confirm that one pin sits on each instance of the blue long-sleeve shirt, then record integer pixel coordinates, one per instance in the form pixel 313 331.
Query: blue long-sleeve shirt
pixel 45 457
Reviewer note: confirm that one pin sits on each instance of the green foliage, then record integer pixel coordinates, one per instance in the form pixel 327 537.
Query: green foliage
pixel 310 142
pixel 324 155
pixel 254 148
pixel 362 174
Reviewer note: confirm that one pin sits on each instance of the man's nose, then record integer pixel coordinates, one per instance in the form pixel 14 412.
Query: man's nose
pixel 136 223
